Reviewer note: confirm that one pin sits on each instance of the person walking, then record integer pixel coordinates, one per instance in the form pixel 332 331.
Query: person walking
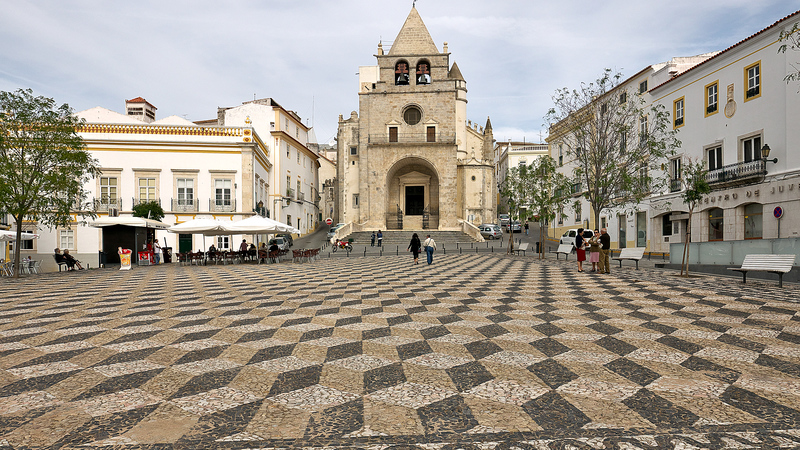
pixel 605 249
pixel 380 238
pixel 414 247
pixel 594 247
pixel 372 240
pixel 526 228
pixel 430 247
pixel 580 250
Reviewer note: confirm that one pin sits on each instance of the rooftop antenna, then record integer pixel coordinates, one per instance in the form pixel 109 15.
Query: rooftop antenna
pixel 254 96
pixel 414 4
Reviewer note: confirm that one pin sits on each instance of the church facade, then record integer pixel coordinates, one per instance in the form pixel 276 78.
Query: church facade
pixel 409 158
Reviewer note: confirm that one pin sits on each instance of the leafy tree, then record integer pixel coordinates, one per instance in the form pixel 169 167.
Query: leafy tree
pixel 695 189
pixel 614 138
pixel 515 190
pixel 547 196
pixel 149 210
pixel 791 40
pixel 43 162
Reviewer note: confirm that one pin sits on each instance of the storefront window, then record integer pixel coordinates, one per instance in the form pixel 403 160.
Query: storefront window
pixel 753 228
pixel 715 222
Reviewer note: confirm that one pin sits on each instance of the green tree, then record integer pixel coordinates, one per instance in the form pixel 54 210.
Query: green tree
pixel 547 196
pixel 516 191
pixel 615 140
pixel 791 40
pixel 695 189
pixel 44 166
pixel 149 210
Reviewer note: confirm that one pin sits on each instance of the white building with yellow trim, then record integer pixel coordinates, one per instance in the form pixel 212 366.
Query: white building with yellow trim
pixel 192 171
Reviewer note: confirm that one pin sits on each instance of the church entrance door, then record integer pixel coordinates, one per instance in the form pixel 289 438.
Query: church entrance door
pixel 415 200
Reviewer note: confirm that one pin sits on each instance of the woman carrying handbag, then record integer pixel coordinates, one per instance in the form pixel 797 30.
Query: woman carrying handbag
pixel 580 243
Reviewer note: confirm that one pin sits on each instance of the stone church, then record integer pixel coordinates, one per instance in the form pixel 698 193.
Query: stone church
pixel 409 158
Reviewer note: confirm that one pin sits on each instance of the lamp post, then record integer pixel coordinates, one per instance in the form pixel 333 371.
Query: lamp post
pixel 765 154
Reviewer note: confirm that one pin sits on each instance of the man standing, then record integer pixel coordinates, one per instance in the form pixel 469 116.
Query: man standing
pixel 430 246
pixel 605 249
pixel 156 251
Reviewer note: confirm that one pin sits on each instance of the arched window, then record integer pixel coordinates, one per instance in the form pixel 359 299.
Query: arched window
pixel 715 224
pixel 423 72
pixel 753 228
pixel 401 73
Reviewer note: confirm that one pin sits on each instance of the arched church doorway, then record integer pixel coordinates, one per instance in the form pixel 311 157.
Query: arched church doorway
pixel 412 187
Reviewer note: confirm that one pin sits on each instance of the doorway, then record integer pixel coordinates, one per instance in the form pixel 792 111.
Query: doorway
pixel 184 243
pixel 641 229
pixel 623 239
pixel 415 200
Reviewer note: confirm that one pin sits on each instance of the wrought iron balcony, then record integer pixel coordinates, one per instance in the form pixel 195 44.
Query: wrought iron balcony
pixel 185 205
pixel 575 189
pixel 301 196
pixel 412 138
pixel 290 193
pixel 675 185
pixel 103 203
pixel 222 205
pixel 736 174
pixel 138 201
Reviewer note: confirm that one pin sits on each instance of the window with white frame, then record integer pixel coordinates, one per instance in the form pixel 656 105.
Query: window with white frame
pixel 222 192
pixel 108 190
pixel 642 131
pixel 752 74
pixel 677 112
pixel 66 239
pixel 751 148
pixel 223 243
pixel 714 158
pixel 675 168
pixel 712 98
pixel 26 244
pixel 147 189
pixel 643 87
pixel 185 191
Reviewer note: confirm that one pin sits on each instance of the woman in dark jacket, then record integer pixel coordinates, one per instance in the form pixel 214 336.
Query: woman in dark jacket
pixel 414 247
pixel 580 249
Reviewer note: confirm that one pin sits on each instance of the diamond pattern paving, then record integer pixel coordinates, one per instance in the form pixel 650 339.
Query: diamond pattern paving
pixel 474 352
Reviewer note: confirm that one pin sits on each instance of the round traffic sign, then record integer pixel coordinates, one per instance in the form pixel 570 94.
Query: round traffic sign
pixel 328 221
pixel 777 212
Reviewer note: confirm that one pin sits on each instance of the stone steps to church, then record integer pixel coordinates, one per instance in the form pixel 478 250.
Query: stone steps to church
pixel 403 237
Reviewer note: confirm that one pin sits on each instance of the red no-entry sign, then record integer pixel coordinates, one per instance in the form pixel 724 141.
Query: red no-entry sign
pixel 328 221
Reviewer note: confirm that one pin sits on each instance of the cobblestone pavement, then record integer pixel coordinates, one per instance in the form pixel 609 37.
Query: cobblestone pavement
pixel 473 352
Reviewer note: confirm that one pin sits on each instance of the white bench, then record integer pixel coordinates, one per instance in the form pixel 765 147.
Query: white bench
pixel 566 249
pixel 779 264
pixel 522 248
pixel 633 254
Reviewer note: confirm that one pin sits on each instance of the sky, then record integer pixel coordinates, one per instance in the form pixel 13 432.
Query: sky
pixel 189 57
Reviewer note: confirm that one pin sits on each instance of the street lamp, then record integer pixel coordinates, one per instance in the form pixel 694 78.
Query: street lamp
pixel 765 154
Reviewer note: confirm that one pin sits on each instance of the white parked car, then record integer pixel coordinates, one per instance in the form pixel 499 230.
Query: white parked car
pixel 569 236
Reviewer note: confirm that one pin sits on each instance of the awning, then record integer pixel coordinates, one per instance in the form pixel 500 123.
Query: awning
pixel 12 236
pixel 207 227
pixel 139 222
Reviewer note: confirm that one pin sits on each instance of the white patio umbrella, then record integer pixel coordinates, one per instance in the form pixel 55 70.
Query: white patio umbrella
pixel 129 221
pixel 258 225
pixel 8 236
pixel 206 227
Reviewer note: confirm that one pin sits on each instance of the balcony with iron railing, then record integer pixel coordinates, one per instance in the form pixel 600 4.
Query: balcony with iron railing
pixel 185 205
pixel 290 193
pixel 104 203
pixel 222 205
pixel 412 138
pixel 737 174
pixel 138 201
pixel 675 184
pixel 301 196
pixel 575 189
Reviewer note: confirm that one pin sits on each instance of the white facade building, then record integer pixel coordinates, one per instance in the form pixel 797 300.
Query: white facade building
pixel 192 171
pixel 727 110
pixel 294 181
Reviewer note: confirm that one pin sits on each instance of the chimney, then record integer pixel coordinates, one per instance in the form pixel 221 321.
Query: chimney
pixel 140 109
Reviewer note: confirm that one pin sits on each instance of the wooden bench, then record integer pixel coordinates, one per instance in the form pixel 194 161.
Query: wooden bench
pixel 779 264
pixel 522 248
pixel 566 249
pixel 633 254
